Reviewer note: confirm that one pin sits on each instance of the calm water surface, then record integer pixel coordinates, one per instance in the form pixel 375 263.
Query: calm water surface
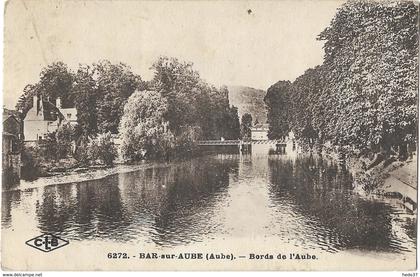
pixel 305 202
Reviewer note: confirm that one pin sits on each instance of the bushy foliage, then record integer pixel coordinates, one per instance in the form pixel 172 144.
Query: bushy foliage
pixel 246 124
pixel 30 163
pixel 102 149
pixel 98 150
pixel 56 80
pixel 98 92
pixel 371 65
pixel 191 102
pixel 364 95
pixel 64 138
pixel 143 128
pixel 278 109
pixel 57 145
pixel 115 83
pixel 305 104
pixel 82 154
pixel 85 100
pixel 48 147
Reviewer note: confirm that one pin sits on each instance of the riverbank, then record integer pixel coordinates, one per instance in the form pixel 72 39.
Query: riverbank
pixel 69 170
pixel 389 178
pixel 75 174
pixel 401 182
pixel 84 174
pixel 39 171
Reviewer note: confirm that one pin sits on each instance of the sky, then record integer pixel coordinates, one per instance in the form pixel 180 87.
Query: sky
pixel 230 42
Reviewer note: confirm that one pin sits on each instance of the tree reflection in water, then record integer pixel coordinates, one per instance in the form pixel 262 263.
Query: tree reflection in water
pixel 168 204
pixel 306 202
pixel 321 190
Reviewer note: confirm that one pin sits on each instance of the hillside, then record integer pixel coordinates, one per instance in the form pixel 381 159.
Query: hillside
pixel 249 100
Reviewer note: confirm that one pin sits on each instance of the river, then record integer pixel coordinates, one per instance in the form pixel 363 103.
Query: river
pixel 236 203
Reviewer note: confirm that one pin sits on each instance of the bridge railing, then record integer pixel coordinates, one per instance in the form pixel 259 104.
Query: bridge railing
pixel 237 142
pixel 218 142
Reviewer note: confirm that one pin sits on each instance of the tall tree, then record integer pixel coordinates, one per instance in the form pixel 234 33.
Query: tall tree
pixel 115 84
pixel 246 124
pixel 192 103
pixel 305 107
pixel 278 104
pixel 85 97
pixel 143 128
pixel 371 57
pixel 180 85
pixel 25 101
pixel 56 80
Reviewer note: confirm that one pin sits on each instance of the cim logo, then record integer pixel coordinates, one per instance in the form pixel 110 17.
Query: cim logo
pixel 47 242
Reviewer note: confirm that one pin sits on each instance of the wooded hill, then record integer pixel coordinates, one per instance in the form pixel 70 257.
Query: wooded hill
pixel 249 100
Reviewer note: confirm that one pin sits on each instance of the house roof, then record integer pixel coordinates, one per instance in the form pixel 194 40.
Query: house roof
pixel 50 111
pixel 6 117
pixel 10 113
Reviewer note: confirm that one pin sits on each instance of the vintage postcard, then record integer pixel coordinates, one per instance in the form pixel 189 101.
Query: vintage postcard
pixel 210 135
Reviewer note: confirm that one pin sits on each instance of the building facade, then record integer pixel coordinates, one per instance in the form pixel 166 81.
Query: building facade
pixel 259 132
pixel 44 117
pixel 11 144
pixel 69 114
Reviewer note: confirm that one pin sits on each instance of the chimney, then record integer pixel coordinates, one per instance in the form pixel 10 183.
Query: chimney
pixel 35 105
pixel 58 103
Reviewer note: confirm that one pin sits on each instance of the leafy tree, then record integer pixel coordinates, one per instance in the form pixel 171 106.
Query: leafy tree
pixel 180 85
pixel 57 145
pixel 364 96
pixel 232 128
pixel 185 141
pixel 193 109
pixel 56 80
pixel 143 128
pixel 371 57
pixel 84 92
pixel 278 104
pixel 25 101
pixel 102 148
pixel 82 152
pixel 305 106
pixel 115 84
pixel 64 138
pixel 48 149
pixel 246 124
pixel 30 158
pixel 192 103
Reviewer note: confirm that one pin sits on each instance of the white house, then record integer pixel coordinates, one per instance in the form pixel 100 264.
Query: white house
pixel 44 117
pixel 259 132
pixel 70 114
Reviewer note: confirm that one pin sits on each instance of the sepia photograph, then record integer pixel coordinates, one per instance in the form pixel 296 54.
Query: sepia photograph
pixel 210 135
